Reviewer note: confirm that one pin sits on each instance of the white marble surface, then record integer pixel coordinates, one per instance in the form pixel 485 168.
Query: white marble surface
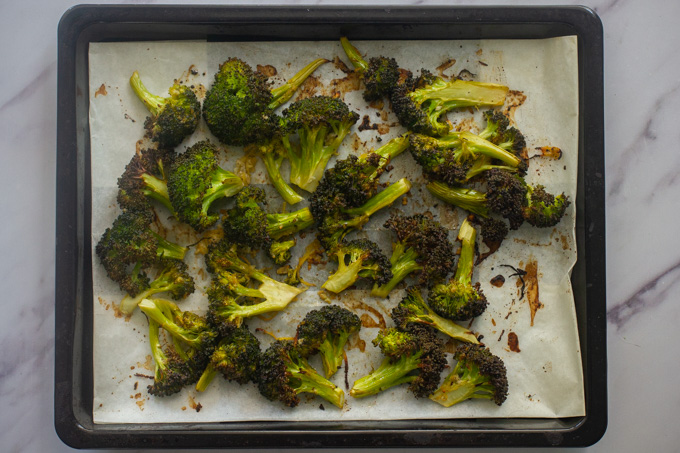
pixel 642 89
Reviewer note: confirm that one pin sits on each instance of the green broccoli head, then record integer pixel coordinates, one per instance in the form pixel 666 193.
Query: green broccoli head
pixel 477 374
pixel 173 118
pixel 358 258
pixel 246 222
pixel 496 125
pixel 381 78
pixel 326 331
pixel 284 373
pixel 280 252
pixel 543 209
pixel 145 179
pixel 196 181
pixel 506 195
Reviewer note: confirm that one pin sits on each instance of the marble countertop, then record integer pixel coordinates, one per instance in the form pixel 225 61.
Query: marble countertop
pixel 642 86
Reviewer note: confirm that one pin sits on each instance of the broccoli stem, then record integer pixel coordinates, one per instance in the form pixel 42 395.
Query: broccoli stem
pixel 286 224
pixel 164 282
pixel 460 93
pixel 273 165
pixel 354 55
pixel 167 249
pixel 388 152
pixel 308 166
pixel 332 353
pixel 152 311
pixel 381 200
pixel 389 374
pixel 466 236
pixel 403 262
pixel 468 199
pixel 345 276
pixel 283 93
pixel 476 144
pixel 158 190
pixel 455 390
pixel 152 102
pixel 224 184
pixel 309 381
pixel 206 378
pixel 448 327
pixel 157 353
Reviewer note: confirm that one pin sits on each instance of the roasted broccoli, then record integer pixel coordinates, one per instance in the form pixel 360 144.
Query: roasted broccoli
pixel 173 118
pixel 380 74
pixel 422 246
pixel 145 179
pixel 477 374
pixel 357 258
pixel 509 195
pixel 352 181
pixel 129 247
pixel 413 309
pixel 415 357
pixel 231 274
pixel 420 107
pixel 336 225
pixel 459 156
pixel 249 225
pixel 174 278
pixel 235 357
pixel 196 181
pixel 321 123
pixel 326 331
pixel 283 373
pixel 459 299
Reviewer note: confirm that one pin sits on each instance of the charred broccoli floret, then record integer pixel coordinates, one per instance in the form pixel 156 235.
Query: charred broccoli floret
pixel 459 156
pixel 235 357
pixel 380 74
pixel 284 373
pixel 413 309
pixel 415 357
pixel 145 179
pixel 544 209
pixel 130 243
pixel 231 275
pixel 196 181
pixel 249 225
pixel 459 299
pixel 173 118
pixel 422 246
pixel 358 258
pixel 477 374
pixel 336 225
pixel 326 331
pixel 174 279
pixel 352 181
pixel 422 108
pixel 321 123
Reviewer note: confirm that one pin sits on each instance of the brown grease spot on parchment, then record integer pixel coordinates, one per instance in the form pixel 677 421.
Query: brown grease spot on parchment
pixel 531 288
pixel 267 70
pixel 466 125
pixel 148 363
pixel 498 281
pixel 366 124
pixel 513 342
pixel 513 101
pixel 551 152
pixel 194 405
pixel 444 66
pixel 338 87
pixel 339 64
pixel 366 321
pixel 140 404
pixel 355 342
pixel 245 165
pixel 101 91
pixel 309 88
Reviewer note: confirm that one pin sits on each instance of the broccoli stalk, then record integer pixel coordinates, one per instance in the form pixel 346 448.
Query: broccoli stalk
pixel 173 118
pixel 413 309
pixel 284 373
pixel 172 372
pixel 415 357
pixel 174 278
pixel 282 94
pixel 358 258
pixel 273 153
pixel 288 223
pixel 477 374
pixel 459 299
pixel 186 326
pixel 469 199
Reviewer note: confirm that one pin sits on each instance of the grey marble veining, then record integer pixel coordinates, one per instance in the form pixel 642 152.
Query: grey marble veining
pixel 642 86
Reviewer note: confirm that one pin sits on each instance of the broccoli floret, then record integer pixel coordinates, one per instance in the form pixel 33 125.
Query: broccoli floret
pixel 544 209
pixel 235 357
pixel 477 374
pixel 321 123
pixel 130 243
pixel 380 74
pixel 421 109
pixel 173 118
pixel 352 181
pixel 413 309
pixel 459 156
pixel 196 181
pixel 284 373
pixel 231 274
pixel 174 278
pixel 144 179
pixel 423 246
pixel 459 299
pixel 326 331
pixel 415 357
pixel 493 232
pixel 336 225
pixel 496 125
pixel 358 258
pixel 247 224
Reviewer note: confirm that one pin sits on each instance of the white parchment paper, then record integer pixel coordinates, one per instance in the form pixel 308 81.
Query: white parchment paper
pixel 545 377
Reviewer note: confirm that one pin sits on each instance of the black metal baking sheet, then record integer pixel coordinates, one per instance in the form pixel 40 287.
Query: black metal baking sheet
pixel 73 305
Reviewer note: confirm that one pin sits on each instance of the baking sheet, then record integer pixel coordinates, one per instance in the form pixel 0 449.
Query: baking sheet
pixel 545 377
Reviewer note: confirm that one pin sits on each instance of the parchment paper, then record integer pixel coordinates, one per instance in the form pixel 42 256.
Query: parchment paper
pixel 545 378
